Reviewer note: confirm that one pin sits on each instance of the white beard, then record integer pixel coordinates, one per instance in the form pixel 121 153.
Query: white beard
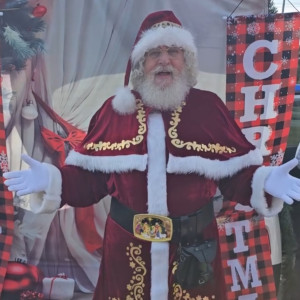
pixel 163 98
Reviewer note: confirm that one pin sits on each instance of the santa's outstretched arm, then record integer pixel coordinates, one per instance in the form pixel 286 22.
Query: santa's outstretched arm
pixel 281 184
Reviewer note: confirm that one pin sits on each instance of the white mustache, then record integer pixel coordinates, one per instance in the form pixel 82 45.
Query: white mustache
pixel 160 69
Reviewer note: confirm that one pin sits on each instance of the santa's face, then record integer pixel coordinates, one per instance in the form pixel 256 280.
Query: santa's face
pixel 162 78
pixel 162 64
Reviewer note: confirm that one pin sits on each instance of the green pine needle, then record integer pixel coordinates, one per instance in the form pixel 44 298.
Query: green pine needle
pixel 20 47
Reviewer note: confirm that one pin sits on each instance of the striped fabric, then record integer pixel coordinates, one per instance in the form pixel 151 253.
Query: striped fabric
pixel 6 205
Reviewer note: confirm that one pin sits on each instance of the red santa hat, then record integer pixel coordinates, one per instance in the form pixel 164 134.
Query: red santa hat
pixel 161 28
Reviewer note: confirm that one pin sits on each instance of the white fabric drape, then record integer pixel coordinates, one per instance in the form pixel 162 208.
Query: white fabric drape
pixel 87 47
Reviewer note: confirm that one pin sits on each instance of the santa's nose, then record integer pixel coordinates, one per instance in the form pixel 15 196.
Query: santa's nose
pixel 164 58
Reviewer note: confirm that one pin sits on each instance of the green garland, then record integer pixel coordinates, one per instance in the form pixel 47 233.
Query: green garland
pixel 18 30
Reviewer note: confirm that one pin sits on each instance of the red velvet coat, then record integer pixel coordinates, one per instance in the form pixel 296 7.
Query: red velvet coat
pixel 204 149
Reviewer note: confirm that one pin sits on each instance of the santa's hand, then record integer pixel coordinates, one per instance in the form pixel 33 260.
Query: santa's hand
pixel 281 184
pixel 33 180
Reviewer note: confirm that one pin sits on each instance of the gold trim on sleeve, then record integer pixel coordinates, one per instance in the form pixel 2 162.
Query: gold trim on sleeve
pixel 141 117
pixel 172 132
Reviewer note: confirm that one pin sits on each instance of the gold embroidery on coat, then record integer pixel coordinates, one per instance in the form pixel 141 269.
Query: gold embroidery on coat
pixel 179 294
pixel 175 267
pixel 214 148
pixel 136 284
pixel 100 146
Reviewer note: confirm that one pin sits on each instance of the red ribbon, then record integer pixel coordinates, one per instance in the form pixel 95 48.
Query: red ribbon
pixel 57 143
pixel 54 141
pixel 60 275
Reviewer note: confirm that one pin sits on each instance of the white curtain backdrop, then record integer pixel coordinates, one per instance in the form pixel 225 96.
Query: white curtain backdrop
pixel 87 48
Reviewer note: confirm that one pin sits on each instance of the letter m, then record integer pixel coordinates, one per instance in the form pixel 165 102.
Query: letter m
pixel 245 276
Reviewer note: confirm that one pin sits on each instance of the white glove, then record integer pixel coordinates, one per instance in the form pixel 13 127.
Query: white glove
pixel 281 184
pixel 34 180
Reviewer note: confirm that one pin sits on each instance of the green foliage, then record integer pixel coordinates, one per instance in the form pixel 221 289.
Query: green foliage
pixel 272 9
pixel 18 36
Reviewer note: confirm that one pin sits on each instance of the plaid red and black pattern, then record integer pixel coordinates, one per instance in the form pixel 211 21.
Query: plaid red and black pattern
pixel 6 204
pixel 257 241
pixel 242 31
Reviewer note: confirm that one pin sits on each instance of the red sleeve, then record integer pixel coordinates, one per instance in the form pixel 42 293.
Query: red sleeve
pixel 82 187
pixel 238 188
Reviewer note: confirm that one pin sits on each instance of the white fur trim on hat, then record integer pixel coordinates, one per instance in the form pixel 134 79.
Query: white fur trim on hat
pixel 168 36
pixel 258 199
pixel 124 101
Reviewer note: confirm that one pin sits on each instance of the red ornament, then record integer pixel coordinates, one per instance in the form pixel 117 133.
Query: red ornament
pixel 20 277
pixel 39 11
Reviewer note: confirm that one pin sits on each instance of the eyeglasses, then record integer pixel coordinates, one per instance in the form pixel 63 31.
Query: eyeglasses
pixel 155 53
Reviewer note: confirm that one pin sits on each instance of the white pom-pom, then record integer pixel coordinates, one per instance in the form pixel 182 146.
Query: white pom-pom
pixel 124 101
pixel 29 112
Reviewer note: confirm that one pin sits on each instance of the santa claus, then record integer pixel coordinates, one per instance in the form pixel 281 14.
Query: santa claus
pixel 161 151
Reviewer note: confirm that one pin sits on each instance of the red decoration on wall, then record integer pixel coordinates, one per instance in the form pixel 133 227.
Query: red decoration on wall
pixel 39 11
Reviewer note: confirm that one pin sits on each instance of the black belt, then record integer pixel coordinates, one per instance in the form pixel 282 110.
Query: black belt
pixel 187 230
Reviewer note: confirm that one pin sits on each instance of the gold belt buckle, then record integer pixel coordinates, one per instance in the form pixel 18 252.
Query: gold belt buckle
pixel 152 228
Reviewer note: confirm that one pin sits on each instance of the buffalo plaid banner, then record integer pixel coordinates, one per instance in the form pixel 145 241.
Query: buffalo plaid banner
pixel 245 252
pixel 262 60
pixel 6 204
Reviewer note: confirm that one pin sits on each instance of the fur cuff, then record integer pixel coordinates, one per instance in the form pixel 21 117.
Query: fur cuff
pixel 258 199
pixel 124 101
pixel 49 201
